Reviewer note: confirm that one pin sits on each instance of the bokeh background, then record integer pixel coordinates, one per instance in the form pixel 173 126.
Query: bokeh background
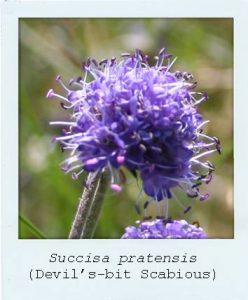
pixel 48 198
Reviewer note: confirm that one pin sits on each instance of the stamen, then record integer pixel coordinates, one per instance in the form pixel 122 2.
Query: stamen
pixel 202 154
pixel 75 175
pixel 68 136
pixel 208 179
pixel 62 123
pixel 202 124
pixel 73 168
pixel 171 64
pixel 193 193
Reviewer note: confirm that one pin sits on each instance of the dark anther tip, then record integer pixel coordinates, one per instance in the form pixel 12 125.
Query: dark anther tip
pixel 187 209
pixel 217 140
pixel 146 204
pixel 162 51
pixel 103 61
pixel 58 78
pixel 160 217
pixel 204 197
pixel 79 79
pixel 167 220
pixel 196 224
pixel 94 62
pixel 63 105
pixel 196 185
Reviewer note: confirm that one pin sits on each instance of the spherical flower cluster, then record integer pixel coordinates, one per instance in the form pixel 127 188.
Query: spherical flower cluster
pixel 161 229
pixel 140 116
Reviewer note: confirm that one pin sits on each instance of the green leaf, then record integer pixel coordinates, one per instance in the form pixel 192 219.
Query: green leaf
pixel 31 227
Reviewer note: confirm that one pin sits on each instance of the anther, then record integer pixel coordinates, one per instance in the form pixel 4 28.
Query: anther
pixel 196 185
pixel 205 95
pixel 192 86
pixel 218 148
pixel 50 93
pixel 201 177
pixel 204 197
pixel 103 61
pixel 217 140
pixel 187 209
pixel 146 204
pixel 186 76
pixel 125 54
pixel 83 66
pixel 192 194
pixel 162 51
pixel 58 78
pixel 88 61
pixel 63 105
pixel 178 74
pixel 79 79
pixel 167 220
pixel 208 179
pixel 196 224
pixel 113 60
pixel 94 62
pixel 71 81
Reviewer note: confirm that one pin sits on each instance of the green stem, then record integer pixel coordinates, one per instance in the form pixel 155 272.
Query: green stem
pixel 96 207
pixel 32 227
pixel 84 206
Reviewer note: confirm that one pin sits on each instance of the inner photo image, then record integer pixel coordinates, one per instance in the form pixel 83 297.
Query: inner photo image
pixel 126 128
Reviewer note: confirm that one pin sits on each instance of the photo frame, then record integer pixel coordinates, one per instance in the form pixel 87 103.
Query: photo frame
pixel 70 268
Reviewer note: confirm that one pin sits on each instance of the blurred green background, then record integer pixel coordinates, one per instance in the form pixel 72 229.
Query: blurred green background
pixel 48 197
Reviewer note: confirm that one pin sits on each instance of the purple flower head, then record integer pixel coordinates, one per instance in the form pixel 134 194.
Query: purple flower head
pixel 140 116
pixel 161 229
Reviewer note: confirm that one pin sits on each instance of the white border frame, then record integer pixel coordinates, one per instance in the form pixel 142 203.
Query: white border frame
pixel 227 257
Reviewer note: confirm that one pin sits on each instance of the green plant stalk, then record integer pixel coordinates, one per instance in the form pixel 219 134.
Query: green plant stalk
pixel 96 208
pixel 85 204
pixel 32 227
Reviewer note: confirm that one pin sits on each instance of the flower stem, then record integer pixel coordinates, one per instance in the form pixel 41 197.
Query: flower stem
pixel 96 207
pixel 84 206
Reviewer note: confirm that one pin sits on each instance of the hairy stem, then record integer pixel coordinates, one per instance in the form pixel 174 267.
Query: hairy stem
pixel 96 207
pixel 84 206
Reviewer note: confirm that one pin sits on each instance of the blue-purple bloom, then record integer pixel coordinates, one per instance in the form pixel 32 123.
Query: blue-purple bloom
pixel 161 229
pixel 140 116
